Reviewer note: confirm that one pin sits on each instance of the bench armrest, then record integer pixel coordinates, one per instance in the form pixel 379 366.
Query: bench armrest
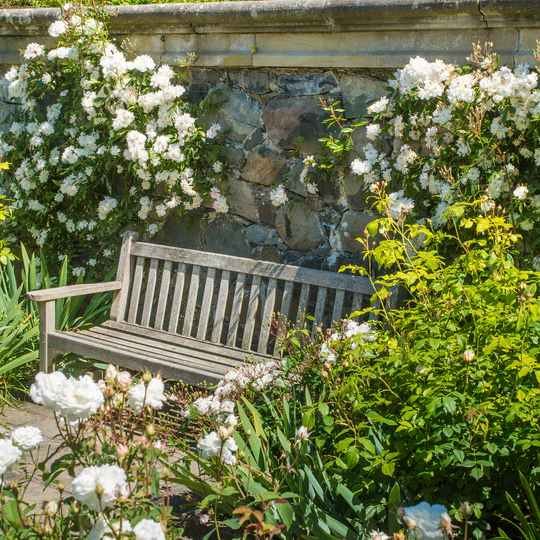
pixel 46 295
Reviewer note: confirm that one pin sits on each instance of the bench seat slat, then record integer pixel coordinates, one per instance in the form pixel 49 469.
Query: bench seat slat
pixel 157 348
pixel 206 304
pixel 177 298
pixel 133 359
pixel 136 290
pixel 177 339
pixel 297 274
pixel 236 308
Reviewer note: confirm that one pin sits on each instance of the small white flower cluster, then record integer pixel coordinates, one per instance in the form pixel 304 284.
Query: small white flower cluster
pixel 425 120
pixel 278 196
pixel 131 121
pixel 349 329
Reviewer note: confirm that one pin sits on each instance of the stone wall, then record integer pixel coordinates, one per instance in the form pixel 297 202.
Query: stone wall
pixel 271 63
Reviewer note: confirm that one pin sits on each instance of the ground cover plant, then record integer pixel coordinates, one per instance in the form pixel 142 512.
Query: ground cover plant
pixel 59 3
pixel 102 140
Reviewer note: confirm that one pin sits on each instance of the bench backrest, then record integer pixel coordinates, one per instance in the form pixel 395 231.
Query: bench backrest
pixel 224 299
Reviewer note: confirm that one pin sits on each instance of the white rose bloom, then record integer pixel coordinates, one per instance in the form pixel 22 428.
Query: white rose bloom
pixel 9 455
pixel 212 445
pixel 27 438
pixel 33 50
pixel 278 196
pixel 111 479
pixel 148 529
pixel 521 192
pixel 46 389
pixel 427 520
pixel 147 396
pixel 79 398
pixel 101 530
pixel 57 28
pixel 123 119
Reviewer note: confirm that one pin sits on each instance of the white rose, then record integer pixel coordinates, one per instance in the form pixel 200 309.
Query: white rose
pixel 148 529
pixel 9 455
pixel 147 396
pixel 79 398
pixel 101 530
pixel 111 479
pixel 46 389
pixel 27 438
pixel 427 520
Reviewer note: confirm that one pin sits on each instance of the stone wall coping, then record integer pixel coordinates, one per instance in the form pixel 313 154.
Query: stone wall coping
pixel 297 16
pixel 343 34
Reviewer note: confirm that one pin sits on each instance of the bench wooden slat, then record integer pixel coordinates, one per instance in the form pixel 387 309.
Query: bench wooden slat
pixel 123 274
pixel 131 359
pixel 320 306
pixel 357 302
pixel 158 348
pixel 267 316
pixel 136 290
pixel 236 308
pixel 206 304
pixel 221 306
pixel 297 274
pixel 339 300
pixel 284 311
pixel 192 300
pixel 150 291
pixel 253 304
pixel 303 301
pixel 177 298
pixel 163 294
pixel 178 339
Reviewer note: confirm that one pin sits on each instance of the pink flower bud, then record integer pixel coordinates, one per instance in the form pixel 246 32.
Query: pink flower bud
pixel 122 450
pixel 124 379
pixel 111 373
pixel 302 433
pixel 468 355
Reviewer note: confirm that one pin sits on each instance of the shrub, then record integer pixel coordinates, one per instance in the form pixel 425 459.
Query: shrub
pixel 111 450
pixel 100 142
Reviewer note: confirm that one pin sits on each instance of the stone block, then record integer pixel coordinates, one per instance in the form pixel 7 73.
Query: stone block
pixel 299 227
pixel 262 235
pixel 358 93
pixel 238 113
pixel 223 235
pixel 233 154
pixel 250 201
pixel 255 138
pixel 268 254
pixel 352 226
pixel 253 80
pixel 295 123
pixel 308 84
pixel 184 231
pixel 353 186
pixel 264 166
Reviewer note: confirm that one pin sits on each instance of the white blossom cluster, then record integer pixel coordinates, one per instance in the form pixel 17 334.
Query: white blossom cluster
pixel 349 330
pixel 455 135
pixel 92 119
pixel 221 405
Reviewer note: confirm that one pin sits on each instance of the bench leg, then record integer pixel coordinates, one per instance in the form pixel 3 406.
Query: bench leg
pixel 47 324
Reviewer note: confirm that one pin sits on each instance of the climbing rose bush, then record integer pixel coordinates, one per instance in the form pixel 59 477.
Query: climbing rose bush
pixel 101 139
pixel 110 449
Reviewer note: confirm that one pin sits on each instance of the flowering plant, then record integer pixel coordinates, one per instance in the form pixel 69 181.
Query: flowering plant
pixel 109 447
pixel 100 141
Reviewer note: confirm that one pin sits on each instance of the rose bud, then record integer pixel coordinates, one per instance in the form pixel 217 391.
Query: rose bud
pixel 302 433
pixel 147 377
pixel 468 355
pixel 124 379
pixel 47 530
pixel 150 430
pixel 122 451
pixel 51 508
pixel 111 373
pixel 324 373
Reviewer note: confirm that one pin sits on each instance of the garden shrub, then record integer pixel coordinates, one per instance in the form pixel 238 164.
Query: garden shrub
pixel 438 403
pixel 101 142
pixel 112 452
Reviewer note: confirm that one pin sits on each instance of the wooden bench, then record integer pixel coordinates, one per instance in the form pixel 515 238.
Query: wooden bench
pixel 193 315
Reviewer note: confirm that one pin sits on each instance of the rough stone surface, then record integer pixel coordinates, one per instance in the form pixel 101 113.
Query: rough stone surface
pixel 299 228
pixel 264 166
pixel 254 81
pixel 268 253
pixel 238 113
pixel 181 231
pixel 308 84
pixel 224 235
pixel 358 93
pixel 263 235
pixel 351 227
pixel 295 123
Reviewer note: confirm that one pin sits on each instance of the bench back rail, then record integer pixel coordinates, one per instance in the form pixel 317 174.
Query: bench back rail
pixel 226 300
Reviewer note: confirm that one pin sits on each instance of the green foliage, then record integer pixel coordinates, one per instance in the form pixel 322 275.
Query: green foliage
pixel 59 3
pixel 19 321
